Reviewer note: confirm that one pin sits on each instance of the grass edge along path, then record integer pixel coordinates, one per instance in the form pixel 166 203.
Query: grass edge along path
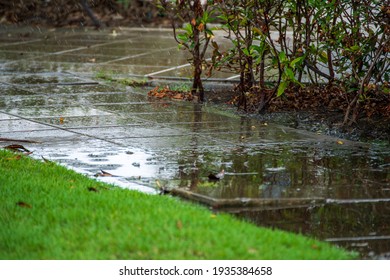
pixel 50 212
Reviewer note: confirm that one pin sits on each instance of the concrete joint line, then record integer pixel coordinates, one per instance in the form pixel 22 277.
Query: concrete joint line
pixel 136 55
pixel 61 128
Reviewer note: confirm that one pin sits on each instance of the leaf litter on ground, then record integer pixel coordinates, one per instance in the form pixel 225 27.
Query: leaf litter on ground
pixel 166 92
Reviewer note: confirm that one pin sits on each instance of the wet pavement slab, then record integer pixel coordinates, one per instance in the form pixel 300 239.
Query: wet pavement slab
pixel 52 102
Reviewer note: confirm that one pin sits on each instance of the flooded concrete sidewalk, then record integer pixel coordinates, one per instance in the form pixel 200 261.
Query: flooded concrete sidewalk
pixel 330 188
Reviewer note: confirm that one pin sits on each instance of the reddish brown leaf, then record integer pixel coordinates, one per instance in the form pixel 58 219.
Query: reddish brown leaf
pixel 193 22
pixel 16 148
pixel 178 96
pixel 159 94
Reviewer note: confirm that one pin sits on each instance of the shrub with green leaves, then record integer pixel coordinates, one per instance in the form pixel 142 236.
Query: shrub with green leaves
pixel 277 44
pixel 194 35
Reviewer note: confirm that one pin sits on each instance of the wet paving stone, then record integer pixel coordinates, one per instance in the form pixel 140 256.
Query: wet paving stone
pixel 42 135
pixel 103 121
pixel 15 124
pixel 14 55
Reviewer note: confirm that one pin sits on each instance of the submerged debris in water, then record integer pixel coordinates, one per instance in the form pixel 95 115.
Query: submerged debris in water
pixel 216 177
pixel 103 173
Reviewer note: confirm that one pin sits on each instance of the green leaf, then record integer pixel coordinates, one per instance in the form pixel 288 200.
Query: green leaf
pixel 207 17
pixel 282 87
pixel 354 48
pixel 260 49
pixel 209 32
pixel 298 61
pixel 246 52
pixel 223 17
pixel 257 31
pixel 182 37
pixel 323 57
pixel 282 56
pixel 289 73
pixel 215 45
pixel 187 28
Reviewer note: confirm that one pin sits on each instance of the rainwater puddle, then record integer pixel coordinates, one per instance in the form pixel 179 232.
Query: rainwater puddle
pixel 362 227
pixel 130 169
pixel 337 193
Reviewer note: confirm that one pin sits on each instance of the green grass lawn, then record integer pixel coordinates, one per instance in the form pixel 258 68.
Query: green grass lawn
pixel 50 212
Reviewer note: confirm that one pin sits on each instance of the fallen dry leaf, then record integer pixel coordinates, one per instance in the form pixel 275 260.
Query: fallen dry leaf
pixel 193 22
pixel 252 251
pixel 23 204
pixel 93 189
pixel 160 94
pixel 46 160
pixel 178 96
pixel 17 157
pixel 179 225
pixel 16 148
pixel 166 92
pixel 103 173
